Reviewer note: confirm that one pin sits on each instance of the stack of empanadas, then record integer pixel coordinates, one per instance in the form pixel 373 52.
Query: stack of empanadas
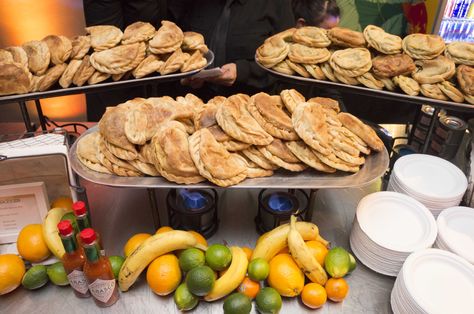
pixel 105 52
pixel 226 140
pixel 375 59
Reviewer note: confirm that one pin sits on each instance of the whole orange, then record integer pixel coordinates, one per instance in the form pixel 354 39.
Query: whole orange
pixel 163 229
pixel 31 244
pixel 314 295
pixel 134 242
pixel 249 287
pixel 285 276
pixel 12 270
pixel 318 249
pixel 199 237
pixel 163 274
pixel 337 289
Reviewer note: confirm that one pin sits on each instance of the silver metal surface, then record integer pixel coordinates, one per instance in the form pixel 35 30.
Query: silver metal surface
pixel 375 166
pixel 104 85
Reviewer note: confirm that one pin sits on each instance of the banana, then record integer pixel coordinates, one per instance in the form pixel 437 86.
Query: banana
pixel 274 241
pixel 150 249
pixel 50 231
pixel 303 257
pixel 233 276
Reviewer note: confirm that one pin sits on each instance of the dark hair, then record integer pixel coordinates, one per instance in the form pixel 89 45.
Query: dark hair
pixel 314 11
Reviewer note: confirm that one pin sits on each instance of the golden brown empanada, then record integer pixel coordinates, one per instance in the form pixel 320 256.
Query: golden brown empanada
pixel 407 84
pixel 14 79
pixel 393 65
pixel 423 46
pixel 119 59
pixel 432 91
pixel 104 36
pixel 137 32
pixel 359 128
pixel 19 55
pixel 307 155
pixel 460 52
pixel 257 157
pixel 174 62
pixel 298 68
pixel 195 62
pixel 465 76
pixel 60 48
pixel 291 98
pixel 434 71
pixel 86 152
pixel 194 41
pixel 98 77
pixel 351 62
pixel 51 76
pixel 303 54
pixel 38 56
pixel 451 91
pixel 80 47
pixel 273 51
pixel 84 72
pixel 5 56
pixel 149 65
pixel 311 36
pixel 66 78
pixel 168 38
pixel 345 37
pixel 382 41
pixel 284 68
pixel 279 154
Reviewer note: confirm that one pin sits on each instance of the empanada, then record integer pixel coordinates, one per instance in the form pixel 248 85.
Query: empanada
pixel 195 62
pixel 228 142
pixel 174 62
pixel 272 51
pixel 98 77
pixel 423 46
pixel 303 54
pixel 39 56
pixel 168 38
pixel 284 68
pixel 149 65
pixel 80 47
pixel 345 37
pixel 434 71
pixel 66 78
pixel 194 41
pixel 104 36
pixel 382 41
pixel 359 128
pixel 84 72
pixel 137 32
pixel 393 65
pixel 307 155
pixel 328 72
pixel 60 48
pixel 291 98
pixel 86 152
pixel 432 91
pixel 254 170
pixel 19 55
pixel 298 68
pixel 465 76
pixel 280 155
pixel 14 79
pixel 407 84
pixel 119 59
pixel 451 91
pixel 51 76
pixel 311 36
pixel 460 52
pixel 315 71
pixel 5 56
pixel 257 157
pixel 368 80
pixel 351 62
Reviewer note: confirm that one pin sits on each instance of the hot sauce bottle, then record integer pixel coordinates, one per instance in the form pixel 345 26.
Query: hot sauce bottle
pixel 83 222
pixel 98 271
pixel 73 260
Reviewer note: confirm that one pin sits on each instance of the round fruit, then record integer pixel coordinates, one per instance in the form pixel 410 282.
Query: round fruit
pixel 285 276
pixel 31 244
pixel 336 289
pixel 318 250
pixel 337 262
pixel 314 295
pixel 268 301
pixel 12 270
pixel 163 229
pixel 35 277
pixel 199 237
pixel 184 299
pixel 248 251
pixel 116 263
pixel 57 274
pixel 218 257
pixel 258 269
pixel 72 218
pixel 134 242
pixel 62 202
pixel 163 274
pixel 353 264
pixel 249 287
pixel 200 280
pixel 191 258
pixel 237 303
pixel 285 250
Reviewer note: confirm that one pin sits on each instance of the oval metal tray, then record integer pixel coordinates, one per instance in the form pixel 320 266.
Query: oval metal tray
pixel 375 166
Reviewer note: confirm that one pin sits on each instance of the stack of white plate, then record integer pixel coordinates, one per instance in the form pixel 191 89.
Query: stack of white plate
pixel 433 181
pixel 388 227
pixel 456 232
pixel 434 281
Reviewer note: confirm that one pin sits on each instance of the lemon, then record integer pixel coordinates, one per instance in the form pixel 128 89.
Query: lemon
pixel 237 303
pixel 268 301
pixel 258 269
pixel 191 258
pixel 35 277
pixel 337 262
pixel 62 202
pixel 12 270
pixel 218 257
pixel 116 263
pixel 184 299
pixel 200 280
pixel 134 242
pixel 57 274
pixel 31 244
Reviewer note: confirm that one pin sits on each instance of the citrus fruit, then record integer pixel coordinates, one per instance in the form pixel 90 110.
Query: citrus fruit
pixel 336 289
pixel 35 277
pixel 116 263
pixel 72 218
pixel 163 274
pixel 199 237
pixel 184 299
pixel 285 250
pixel 337 262
pixel 163 229
pixel 200 280
pixel 268 301
pixel 57 274
pixel 249 287
pixel 353 264
pixel 62 202
pixel 258 269
pixel 248 251
pixel 218 256
pixel 237 303
pixel 190 258
pixel 285 276
pixel 134 242
pixel 31 244
pixel 314 295
pixel 318 250
pixel 12 270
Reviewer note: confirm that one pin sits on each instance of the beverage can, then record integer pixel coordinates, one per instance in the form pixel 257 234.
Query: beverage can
pixel 457 8
pixel 464 8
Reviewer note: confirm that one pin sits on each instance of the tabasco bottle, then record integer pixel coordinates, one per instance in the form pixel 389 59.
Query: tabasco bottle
pixel 83 222
pixel 98 271
pixel 73 260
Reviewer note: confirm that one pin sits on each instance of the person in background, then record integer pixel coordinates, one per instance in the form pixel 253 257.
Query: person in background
pixel 324 14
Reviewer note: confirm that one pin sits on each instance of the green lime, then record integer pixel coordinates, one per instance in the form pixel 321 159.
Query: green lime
pixel 184 299
pixel 353 262
pixel 57 274
pixel 35 277
pixel 237 303
pixel 200 280
pixel 218 257
pixel 258 269
pixel 337 262
pixel 70 216
pixel 191 258
pixel 268 301
pixel 116 262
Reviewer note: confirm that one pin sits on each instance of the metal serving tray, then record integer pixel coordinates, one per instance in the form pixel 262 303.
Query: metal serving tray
pixel 103 85
pixel 375 166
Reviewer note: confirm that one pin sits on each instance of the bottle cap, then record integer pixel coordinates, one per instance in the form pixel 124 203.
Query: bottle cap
pixel 88 236
pixel 79 208
pixel 65 227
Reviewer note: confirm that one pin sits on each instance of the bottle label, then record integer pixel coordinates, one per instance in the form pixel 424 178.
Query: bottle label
pixel 102 290
pixel 78 281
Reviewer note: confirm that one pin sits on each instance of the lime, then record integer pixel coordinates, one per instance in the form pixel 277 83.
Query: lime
pixel 184 299
pixel 72 218
pixel 191 258
pixel 237 303
pixel 258 269
pixel 337 262
pixel 353 264
pixel 218 257
pixel 200 280
pixel 57 274
pixel 268 301
pixel 35 277
pixel 116 263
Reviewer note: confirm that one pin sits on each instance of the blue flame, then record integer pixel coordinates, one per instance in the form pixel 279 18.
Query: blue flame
pixel 280 203
pixel 192 200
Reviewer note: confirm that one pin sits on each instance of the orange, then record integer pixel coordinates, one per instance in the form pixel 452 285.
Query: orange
pixel 284 250
pixel 337 289
pixel 62 202
pixel 12 270
pixel 319 250
pixel 134 242
pixel 31 244
pixel 314 295
pixel 249 287
pixel 198 237
pixel 163 229
pixel 248 251
pixel 285 276
pixel 163 274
